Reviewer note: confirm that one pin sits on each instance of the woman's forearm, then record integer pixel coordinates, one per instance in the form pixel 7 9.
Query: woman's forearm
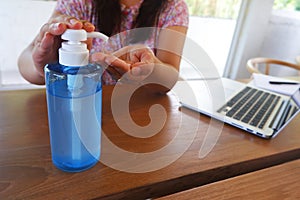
pixel 162 78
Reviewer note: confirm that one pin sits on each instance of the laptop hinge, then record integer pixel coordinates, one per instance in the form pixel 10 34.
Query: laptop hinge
pixel 281 115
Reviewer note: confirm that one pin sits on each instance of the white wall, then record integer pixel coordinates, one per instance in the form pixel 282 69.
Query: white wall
pixel 21 21
pixel 282 39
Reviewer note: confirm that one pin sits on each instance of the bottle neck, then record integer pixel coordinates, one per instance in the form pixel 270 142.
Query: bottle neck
pixel 73 54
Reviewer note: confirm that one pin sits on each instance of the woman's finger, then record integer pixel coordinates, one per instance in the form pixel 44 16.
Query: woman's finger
pixel 88 26
pixel 111 60
pixel 142 69
pixel 55 29
pixel 47 42
pixel 69 21
pixel 143 55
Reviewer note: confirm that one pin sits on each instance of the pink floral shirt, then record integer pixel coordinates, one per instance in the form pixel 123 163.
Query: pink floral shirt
pixel 175 14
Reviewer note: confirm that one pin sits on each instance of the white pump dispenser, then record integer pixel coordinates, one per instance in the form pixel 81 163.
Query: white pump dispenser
pixel 74 51
pixel 74 100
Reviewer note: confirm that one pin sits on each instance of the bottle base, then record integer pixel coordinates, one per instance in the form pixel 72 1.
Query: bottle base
pixel 74 168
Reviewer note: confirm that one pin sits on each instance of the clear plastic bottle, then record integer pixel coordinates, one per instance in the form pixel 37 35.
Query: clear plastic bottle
pixel 74 99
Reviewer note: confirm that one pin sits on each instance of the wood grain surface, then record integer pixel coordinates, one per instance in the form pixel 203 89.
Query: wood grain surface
pixel 274 183
pixel 130 167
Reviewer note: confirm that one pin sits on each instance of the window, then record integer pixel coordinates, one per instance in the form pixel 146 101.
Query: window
pixel 290 5
pixel 269 28
pixel 212 25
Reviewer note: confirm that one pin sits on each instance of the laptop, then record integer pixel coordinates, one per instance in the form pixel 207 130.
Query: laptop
pixel 252 109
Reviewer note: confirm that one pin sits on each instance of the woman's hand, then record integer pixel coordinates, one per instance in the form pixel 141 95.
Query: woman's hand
pixel 48 40
pixel 130 63
pixel 44 48
pixel 138 64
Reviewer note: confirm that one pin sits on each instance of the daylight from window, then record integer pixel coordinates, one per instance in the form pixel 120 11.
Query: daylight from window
pixel 212 24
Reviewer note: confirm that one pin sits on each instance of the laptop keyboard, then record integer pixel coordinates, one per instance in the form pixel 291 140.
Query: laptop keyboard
pixel 251 106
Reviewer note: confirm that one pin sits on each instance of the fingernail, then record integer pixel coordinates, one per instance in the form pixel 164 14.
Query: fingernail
pixel 47 34
pixel 88 24
pixel 55 26
pixel 74 21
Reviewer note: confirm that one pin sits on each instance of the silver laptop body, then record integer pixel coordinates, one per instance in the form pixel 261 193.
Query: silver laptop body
pixel 257 111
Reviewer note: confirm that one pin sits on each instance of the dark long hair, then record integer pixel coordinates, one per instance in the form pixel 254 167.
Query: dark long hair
pixel 108 16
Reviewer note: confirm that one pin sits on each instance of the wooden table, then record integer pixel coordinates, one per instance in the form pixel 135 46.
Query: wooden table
pixel 278 182
pixel 26 170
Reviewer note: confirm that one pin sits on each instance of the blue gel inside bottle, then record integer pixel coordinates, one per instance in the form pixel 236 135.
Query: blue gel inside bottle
pixel 74 99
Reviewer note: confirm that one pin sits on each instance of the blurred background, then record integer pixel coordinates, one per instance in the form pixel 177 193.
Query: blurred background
pixel 230 31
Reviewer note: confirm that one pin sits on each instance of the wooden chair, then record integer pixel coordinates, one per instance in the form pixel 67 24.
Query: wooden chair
pixel 254 65
pixel 298 60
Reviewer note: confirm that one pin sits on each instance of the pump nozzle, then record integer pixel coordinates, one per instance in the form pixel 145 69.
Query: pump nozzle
pixel 81 35
pixel 97 35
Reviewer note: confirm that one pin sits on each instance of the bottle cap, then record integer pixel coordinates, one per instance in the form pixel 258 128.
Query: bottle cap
pixel 74 51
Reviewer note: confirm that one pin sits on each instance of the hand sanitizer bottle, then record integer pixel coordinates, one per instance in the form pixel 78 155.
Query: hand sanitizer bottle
pixel 74 99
